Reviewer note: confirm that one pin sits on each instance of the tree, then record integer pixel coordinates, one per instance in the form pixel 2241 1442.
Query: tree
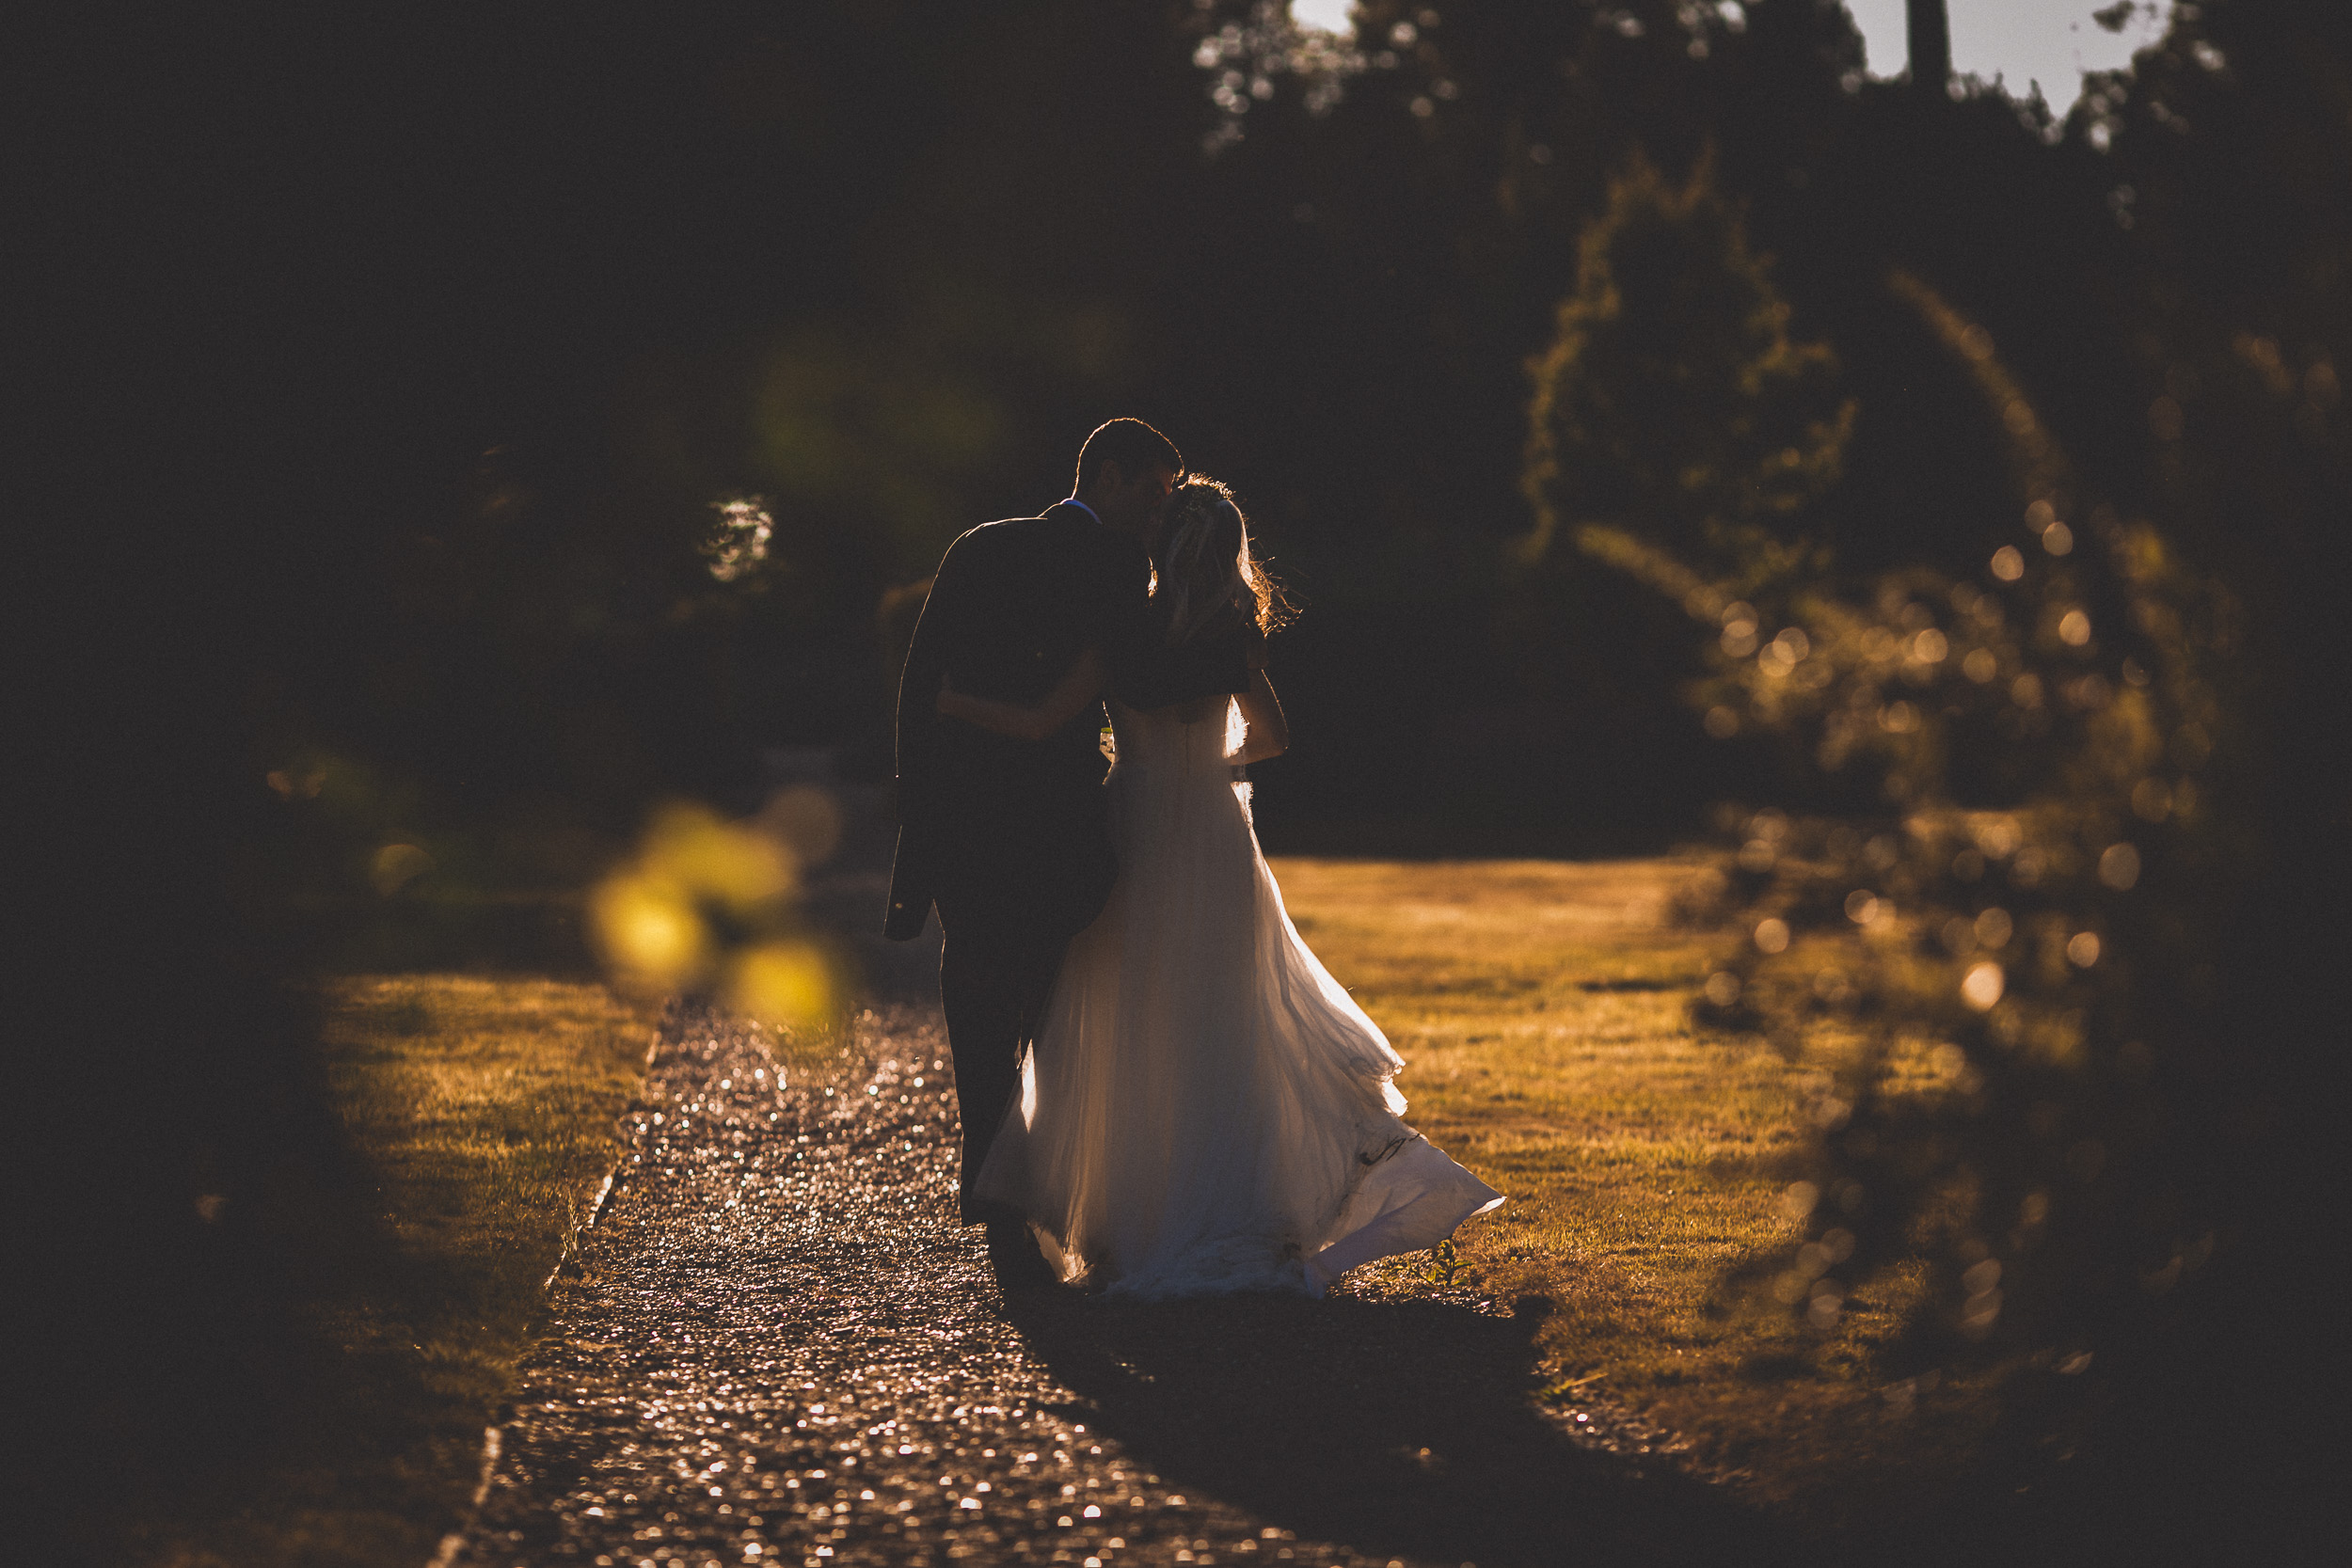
pixel 1929 32
pixel 2068 968
pixel 1674 404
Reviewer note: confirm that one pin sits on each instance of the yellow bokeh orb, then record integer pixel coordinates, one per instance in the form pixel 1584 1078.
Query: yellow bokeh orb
pixel 790 984
pixel 649 930
pixel 742 869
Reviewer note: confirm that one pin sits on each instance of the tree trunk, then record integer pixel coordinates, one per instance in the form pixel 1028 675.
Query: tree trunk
pixel 1930 42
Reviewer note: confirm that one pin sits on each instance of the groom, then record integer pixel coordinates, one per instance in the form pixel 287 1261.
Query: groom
pixel 1010 839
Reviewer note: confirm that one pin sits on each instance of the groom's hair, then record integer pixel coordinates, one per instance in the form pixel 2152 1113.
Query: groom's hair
pixel 1135 447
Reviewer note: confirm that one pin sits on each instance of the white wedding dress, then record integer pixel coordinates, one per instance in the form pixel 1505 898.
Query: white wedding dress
pixel 1205 1109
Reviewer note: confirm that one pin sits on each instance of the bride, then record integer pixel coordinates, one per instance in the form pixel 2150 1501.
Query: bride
pixel 1204 1109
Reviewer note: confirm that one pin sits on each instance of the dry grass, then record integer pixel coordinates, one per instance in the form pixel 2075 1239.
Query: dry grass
pixel 1543 1009
pixel 484 1111
pixel 486 1107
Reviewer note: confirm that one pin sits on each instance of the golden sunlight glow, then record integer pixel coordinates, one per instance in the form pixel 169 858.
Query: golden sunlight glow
pixel 648 930
pixel 790 984
pixel 689 846
pixel 1999 836
pixel 396 866
pixel 710 902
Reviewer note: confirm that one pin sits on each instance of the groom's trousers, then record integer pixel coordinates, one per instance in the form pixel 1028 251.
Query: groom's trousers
pixel 993 985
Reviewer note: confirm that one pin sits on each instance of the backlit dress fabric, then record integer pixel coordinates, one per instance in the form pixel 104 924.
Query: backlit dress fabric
pixel 1205 1110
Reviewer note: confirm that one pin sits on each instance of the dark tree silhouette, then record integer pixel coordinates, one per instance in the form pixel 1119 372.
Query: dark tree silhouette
pixel 1928 30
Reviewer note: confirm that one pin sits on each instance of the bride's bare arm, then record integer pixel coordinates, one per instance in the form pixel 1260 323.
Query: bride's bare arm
pixel 1081 687
pixel 1270 733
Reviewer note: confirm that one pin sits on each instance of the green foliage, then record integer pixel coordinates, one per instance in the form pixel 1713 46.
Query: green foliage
pixel 1999 957
pixel 2038 905
pixel 1674 404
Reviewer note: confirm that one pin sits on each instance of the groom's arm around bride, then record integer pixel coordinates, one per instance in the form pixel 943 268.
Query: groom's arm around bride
pixel 1010 839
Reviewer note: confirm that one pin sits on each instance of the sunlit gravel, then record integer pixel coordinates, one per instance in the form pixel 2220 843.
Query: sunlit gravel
pixel 775 1345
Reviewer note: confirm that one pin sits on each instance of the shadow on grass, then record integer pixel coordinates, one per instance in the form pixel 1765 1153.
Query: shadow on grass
pixel 283 1413
pixel 300 1372
pixel 151 1430
pixel 1396 1429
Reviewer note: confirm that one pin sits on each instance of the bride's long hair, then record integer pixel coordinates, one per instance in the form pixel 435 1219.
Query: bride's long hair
pixel 1208 578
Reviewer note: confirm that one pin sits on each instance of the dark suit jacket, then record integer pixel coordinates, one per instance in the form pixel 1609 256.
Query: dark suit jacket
pixel 1015 834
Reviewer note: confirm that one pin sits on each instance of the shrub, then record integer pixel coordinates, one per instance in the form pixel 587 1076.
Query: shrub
pixel 1987 921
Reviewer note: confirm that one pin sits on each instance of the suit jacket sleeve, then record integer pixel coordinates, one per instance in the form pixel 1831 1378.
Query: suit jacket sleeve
pixel 936 632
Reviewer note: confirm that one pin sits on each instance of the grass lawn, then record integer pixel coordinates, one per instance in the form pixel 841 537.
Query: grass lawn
pixel 484 1110
pixel 1543 1010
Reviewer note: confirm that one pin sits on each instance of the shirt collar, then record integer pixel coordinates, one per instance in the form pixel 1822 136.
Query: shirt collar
pixel 1085 508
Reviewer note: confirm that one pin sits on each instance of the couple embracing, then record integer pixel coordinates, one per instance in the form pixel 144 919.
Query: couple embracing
pixel 1163 1092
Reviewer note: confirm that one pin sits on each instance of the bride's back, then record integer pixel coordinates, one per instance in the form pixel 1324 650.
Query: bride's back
pixel 1199 740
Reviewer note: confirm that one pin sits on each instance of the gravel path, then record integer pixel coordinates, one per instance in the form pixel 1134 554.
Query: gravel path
pixel 776 1346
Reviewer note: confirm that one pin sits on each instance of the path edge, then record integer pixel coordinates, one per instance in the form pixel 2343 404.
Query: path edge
pixel 493 1443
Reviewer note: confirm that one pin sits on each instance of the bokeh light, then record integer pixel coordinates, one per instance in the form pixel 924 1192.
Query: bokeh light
pixel 1942 944
pixel 647 931
pixel 738 539
pixel 790 984
pixel 710 904
pixel 709 858
pixel 395 866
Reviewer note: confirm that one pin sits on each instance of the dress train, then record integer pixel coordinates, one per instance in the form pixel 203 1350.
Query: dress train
pixel 1205 1109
